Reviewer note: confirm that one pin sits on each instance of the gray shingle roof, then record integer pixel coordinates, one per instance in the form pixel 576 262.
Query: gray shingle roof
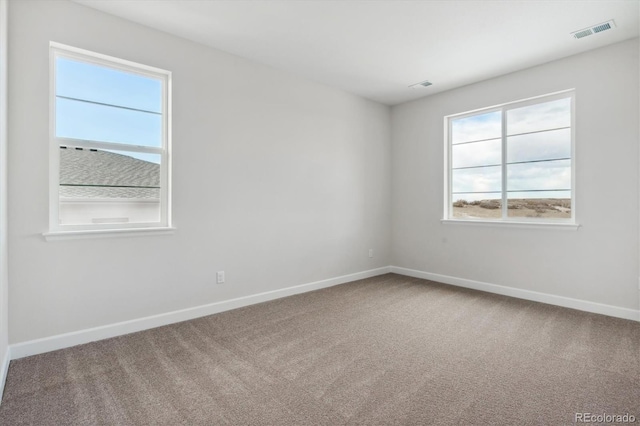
pixel 92 173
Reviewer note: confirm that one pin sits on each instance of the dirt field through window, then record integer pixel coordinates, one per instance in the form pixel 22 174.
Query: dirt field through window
pixel 557 208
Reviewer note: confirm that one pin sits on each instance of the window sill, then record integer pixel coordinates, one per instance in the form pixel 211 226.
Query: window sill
pixel 105 233
pixel 514 224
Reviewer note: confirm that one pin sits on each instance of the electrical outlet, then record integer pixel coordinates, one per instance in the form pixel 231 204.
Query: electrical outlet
pixel 220 277
pixel 370 252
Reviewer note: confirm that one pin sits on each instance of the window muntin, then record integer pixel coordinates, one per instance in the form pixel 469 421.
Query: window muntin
pixel 512 162
pixel 110 142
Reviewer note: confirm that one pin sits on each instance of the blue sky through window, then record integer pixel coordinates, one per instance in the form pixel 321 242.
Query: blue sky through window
pixel 103 104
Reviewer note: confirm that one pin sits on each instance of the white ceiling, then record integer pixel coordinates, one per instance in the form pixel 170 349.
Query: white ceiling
pixel 376 49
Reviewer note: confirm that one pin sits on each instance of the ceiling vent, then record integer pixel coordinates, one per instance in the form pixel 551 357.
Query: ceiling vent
pixel 598 28
pixel 421 84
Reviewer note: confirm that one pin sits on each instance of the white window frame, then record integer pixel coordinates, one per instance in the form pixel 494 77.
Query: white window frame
pixel 567 223
pixel 57 230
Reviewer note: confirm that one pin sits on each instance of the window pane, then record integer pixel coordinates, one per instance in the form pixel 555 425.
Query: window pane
pixel 542 116
pixel 99 186
pixel 547 145
pixel 481 179
pixel 476 127
pixel 81 80
pixel 81 120
pixel 477 205
pixel 544 204
pixel 477 154
pixel 548 175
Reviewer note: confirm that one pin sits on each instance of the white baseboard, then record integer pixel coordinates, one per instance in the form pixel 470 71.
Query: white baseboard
pixel 66 340
pixel 4 370
pixel 61 341
pixel 552 299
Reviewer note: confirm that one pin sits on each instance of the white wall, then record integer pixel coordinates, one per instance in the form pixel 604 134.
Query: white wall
pixel 4 314
pixel 280 182
pixel 277 180
pixel 599 262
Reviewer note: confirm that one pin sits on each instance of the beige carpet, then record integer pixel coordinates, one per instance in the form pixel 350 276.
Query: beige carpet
pixel 386 350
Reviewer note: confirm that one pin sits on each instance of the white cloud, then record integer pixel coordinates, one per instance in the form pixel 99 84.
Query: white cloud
pixel 476 127
pixel 543 116
pixel 539 146
pixel 477 154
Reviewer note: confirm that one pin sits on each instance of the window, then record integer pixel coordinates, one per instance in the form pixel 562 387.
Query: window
pixel 513 162
pixel 110 143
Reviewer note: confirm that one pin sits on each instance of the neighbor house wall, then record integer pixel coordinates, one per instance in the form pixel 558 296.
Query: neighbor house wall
pixel 74 211
pixel 599 262
pixel 276 180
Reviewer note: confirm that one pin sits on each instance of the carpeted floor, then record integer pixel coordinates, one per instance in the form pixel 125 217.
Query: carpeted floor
pixel 385 350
